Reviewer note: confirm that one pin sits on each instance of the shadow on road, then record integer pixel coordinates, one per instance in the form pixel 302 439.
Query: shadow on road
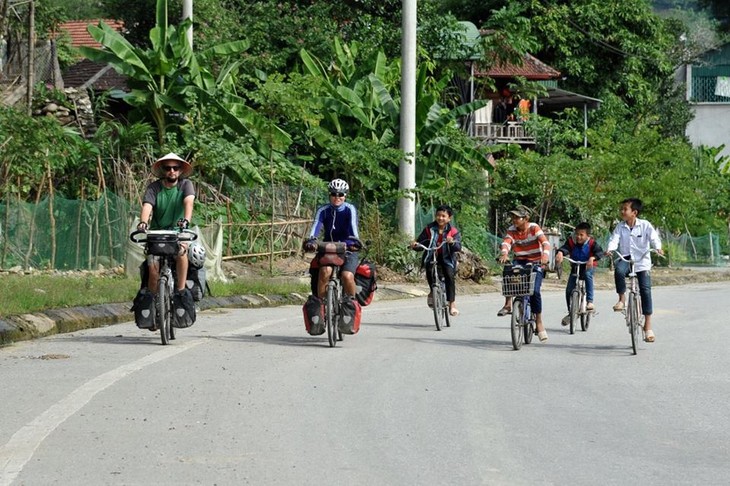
pixel 296 341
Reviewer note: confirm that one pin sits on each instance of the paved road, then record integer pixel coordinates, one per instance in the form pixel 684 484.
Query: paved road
pixel 245 397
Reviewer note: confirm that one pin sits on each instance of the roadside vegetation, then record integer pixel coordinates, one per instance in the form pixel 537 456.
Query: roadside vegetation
pixel 22 294
pixel 292 93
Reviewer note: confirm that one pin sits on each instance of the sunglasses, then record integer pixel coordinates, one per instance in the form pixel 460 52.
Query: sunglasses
pixel 175 168
pixel 337 194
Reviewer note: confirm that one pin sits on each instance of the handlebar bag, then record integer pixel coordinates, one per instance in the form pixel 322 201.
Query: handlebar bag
pixel 333 254
pixel 162 244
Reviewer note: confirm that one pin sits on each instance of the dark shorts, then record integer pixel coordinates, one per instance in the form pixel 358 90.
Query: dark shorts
pixel 351 262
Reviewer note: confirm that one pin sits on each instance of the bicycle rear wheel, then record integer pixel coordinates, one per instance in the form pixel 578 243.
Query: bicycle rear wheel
pixel 330 316
pixel 163 310
pixel 516 326
pixel 632 316
pixel 438 306
pixel 574 307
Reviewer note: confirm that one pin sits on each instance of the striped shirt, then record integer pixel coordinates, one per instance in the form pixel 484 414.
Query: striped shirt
pixel 527 245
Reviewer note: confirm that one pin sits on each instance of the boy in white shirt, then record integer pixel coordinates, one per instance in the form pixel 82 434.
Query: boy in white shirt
pixel 635 237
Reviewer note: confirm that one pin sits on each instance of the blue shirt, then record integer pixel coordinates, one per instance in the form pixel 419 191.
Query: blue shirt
pixel 339 223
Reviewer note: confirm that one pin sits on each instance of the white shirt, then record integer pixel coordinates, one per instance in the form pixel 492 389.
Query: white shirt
pixel 635 241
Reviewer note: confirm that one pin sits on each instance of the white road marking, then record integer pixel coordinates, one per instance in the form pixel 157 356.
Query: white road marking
pixel 22 445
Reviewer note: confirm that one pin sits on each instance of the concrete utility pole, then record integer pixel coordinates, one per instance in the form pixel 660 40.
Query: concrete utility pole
pixel 407 172
pixel 188 14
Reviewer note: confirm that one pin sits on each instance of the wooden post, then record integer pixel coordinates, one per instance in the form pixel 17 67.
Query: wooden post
pixel 31 233
pixel 31 55
pixel 106 209
pixel 77 264
pixel 51 217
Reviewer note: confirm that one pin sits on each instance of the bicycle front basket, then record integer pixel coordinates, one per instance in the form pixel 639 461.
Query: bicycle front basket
pixel 162 243
pixel 519 284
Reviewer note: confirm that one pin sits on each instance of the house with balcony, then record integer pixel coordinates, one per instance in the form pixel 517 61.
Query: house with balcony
pixel 495 123
pixel 707 83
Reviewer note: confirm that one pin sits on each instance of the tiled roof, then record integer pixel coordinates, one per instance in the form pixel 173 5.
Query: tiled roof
pixel 83 73
pixel 80 36
pixel 532 68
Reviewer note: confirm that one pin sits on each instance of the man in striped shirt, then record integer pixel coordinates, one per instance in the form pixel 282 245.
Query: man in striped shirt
pixel 529 245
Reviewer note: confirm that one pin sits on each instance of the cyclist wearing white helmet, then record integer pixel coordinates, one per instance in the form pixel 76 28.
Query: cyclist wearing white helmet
pixel 338 221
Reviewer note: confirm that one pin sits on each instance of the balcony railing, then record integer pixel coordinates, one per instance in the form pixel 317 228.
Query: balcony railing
pixel 509 132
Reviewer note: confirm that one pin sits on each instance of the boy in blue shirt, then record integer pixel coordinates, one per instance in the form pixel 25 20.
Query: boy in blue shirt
pixel 581 247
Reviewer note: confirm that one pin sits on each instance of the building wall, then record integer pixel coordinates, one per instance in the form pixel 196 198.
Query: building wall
pixel 710 126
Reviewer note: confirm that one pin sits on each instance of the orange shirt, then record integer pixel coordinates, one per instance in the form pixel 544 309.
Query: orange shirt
pixel 527 245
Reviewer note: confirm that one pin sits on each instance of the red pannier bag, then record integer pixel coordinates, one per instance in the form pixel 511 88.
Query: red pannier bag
pixel 350 313
pixel 313 311
pixel 365 282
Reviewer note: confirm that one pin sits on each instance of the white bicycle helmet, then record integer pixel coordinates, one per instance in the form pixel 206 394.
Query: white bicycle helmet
pixel 196 255
pixel 338 185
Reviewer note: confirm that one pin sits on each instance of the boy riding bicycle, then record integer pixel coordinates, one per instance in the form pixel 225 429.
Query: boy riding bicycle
pixel 581 247
pixel 634 237
pixel 434 234
pixel 530 245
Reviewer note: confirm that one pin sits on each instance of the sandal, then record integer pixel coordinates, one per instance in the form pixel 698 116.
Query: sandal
pixel 649 336
pixel 542 335
pixel 504 311
pixel 618 307
pixel 454 312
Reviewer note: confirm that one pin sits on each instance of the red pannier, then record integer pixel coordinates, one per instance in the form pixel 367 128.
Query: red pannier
pixel 365 281
pixel 313 311
pixel 350 313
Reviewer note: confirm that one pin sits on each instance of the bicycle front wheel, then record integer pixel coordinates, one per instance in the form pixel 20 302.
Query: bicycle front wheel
pixel 163 310
pixel 516 325
pixel 574 306
pixel 330 316
pixel 445 301
pixel 438 306
pixel 632 316
pixel 529 321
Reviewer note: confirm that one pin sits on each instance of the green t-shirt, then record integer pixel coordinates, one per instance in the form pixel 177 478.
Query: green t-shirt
pixel 167 203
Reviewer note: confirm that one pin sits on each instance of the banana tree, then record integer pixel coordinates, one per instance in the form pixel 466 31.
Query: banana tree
pixel 435 147
pixel 169 81
pixel 352 108
pixel 358 102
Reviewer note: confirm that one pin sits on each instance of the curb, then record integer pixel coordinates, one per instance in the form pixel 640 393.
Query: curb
pixel 24 327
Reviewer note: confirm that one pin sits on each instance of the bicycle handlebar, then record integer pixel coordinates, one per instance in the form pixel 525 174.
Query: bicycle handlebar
pixel 629 260
pixel 340 246
pixel 182 235
pixel 428 248
pixel 576 262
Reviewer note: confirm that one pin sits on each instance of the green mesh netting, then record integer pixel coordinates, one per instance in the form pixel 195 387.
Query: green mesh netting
pixel 80 235
pixel 697 250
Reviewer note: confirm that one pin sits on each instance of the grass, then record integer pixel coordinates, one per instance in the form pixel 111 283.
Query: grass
pixel 22 294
